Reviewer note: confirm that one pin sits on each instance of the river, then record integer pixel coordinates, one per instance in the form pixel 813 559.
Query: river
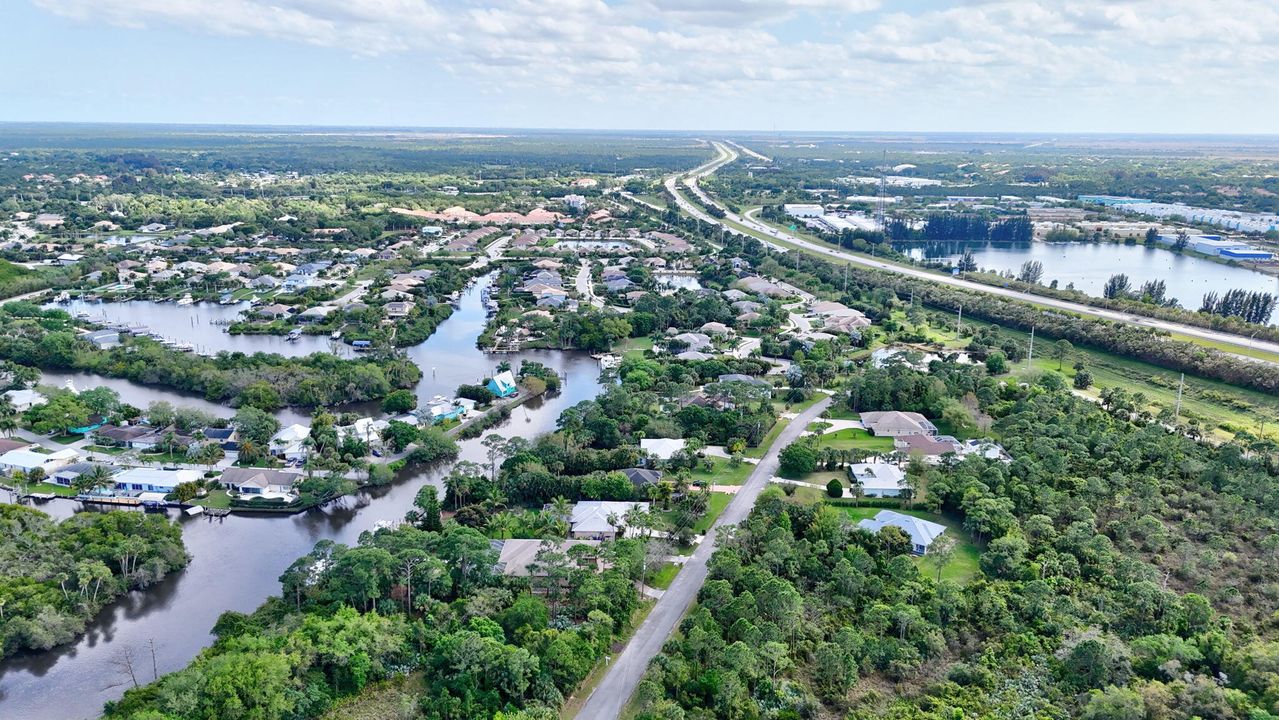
pixel 1089 265
pixel 236 562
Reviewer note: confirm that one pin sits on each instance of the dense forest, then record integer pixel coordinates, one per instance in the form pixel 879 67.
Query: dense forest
pixel 415 602
pixel 55 576
pixel 1126 575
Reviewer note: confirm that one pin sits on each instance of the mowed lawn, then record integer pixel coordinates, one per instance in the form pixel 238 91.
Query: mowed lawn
pixel 963 562
pixel 855 439
pixel 722 472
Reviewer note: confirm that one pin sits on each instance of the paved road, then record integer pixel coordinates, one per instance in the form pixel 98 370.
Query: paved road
pixel 725 155
pixel 615 690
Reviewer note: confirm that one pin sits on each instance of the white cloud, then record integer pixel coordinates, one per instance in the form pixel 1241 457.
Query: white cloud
pixel 631 51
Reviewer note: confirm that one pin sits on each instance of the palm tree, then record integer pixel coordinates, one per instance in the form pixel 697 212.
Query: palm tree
pixel 501 525
pixel 93 479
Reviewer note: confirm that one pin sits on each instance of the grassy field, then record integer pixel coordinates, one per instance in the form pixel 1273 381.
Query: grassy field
pixel 217 499
pixel 662 577
pixel 635 347
pixel 855 439
pixel 56 489
pixel 385 700
pixel 963 563
pixel 722 473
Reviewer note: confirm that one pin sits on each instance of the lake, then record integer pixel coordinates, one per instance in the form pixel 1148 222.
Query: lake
pixel 236 562
pixel 1089 265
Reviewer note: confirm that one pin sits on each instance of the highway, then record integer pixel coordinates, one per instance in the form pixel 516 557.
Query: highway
pixel 614 691
pixel 725 155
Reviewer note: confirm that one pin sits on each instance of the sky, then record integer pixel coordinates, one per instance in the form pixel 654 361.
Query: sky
pixel 1054 66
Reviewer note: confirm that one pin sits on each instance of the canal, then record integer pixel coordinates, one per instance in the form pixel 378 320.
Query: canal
pixel 1089 265
pixel 236 562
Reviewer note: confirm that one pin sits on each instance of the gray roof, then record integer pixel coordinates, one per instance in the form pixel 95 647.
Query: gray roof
pixel 922 532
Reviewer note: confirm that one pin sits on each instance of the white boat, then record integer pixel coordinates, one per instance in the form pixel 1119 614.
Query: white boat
pixel 335 335
pixel 186 300
pixel 294 336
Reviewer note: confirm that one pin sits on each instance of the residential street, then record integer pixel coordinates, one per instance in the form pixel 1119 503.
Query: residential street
pixel 615 690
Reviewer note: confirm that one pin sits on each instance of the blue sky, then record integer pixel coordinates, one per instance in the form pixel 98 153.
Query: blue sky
pixel 937 65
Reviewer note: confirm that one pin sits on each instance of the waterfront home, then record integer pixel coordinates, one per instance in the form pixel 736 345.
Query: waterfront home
pixel 662 448
pixel 7 444
pixel 153 480
pixel 273 311
pixel 24 399
pixel 922 533
pixel 503 384
pixel 877 479
pixel 518 557
pixel 290 442
pixel 894 423
pixel 594 519
pixel 264 282
pixel 122 436
pixel 398 309
pixel 261 482
pixel 67 474
pixel 227 438
pixel 444 410
pixel 27 459
pixel 315 314
pixel 693 341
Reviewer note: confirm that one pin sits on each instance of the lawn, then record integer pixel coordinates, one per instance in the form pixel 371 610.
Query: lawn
pixel 840 411
pixel 165 457
pixel 635 347
pixel 963 563
pixel 662 577
pixel 855 439
pixel 799 407
pixel 722 472
pixel 56 489
pixel 217 499
pixel 66 439
pixel 104 450
pixel 718 502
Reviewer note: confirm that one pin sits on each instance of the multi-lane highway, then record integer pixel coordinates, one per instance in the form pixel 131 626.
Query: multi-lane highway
pixel 725 154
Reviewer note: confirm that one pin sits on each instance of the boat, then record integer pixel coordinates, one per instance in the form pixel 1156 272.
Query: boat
pixel 335 335
pixel 184 347
pixel 294 335
pixel 186 300
pixel 62 297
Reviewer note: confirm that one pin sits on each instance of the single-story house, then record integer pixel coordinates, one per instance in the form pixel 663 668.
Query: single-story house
pixel 642 477
pixel 24 399
pixel 67 474
pixel 227 438
pixel 154 479
pixel 922 532
pixel 503 384
pixel 694 341
pixel 26 460
pixel 262 482
pixel 7 444
pixel 590 518
pixel 516 556
pixel 662 448
pixel 122 435
pixel 747 379
pixel 878 479
pixel 273 311
pixel 316 314
pixel 441 411
pixel 930 447
pixel 988 449
pixel 894 423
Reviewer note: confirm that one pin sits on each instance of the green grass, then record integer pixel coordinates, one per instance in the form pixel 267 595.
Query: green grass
pixel 856 439
pixel 165 457
pixel 56 489
pixel 840 411
pixel 218 499
pixel 722 472
pixel 963 564
pixel 635 347
pixel 662 577
pixel 104 450
pixel 762 448
pixel 66 439
pixel 718 502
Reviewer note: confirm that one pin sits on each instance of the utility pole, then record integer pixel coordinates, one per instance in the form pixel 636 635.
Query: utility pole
pixel 1177 415
pixel 1030 354
pixel 959 321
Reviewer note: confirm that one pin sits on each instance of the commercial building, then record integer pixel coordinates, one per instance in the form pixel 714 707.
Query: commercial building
pixel 804 211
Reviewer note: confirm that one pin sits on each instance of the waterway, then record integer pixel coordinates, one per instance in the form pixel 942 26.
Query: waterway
pixel 236 562
pixel 1089 265
pixel 201 324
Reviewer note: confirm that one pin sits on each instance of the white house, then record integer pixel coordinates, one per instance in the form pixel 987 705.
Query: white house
pixel 23 400
pixel 154 480
pixel 290 442
pixel 878 479
pixel 922 532
pixel 590 518
pixel 26 460
pixel 261 482
pixel 662 448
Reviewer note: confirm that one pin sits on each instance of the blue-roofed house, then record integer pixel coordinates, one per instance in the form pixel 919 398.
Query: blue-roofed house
pixel 503 384
pixel 446 410
pixel 922 533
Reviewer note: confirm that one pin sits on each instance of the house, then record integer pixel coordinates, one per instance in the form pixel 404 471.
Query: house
pixel 693 341
pixel 877 479
pixel 922 533
pixel 716 328
pixel 515 557
pixel 67 474
pixel 264 282
pixel 591 518
pixel 930 447
pixel 642 477
pixel 103 338
pixel 290 442
pixel 316 314
pixel 69 258
pixel 153 228
pixel 122 436
pixel 137 480
pixel 894 423
pixel 503 384
pixel 693 355
pixel 988 449
pixel 7 444
pixel 24 399
pixel 445 410
pixel 27 459
pixel 662 448
pixel 398 309
pixel 227 438
pixel 747 379
pixel 260 482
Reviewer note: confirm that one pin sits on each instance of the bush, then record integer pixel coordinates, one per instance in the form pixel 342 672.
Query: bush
pixel 834 488
pixel 798 459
